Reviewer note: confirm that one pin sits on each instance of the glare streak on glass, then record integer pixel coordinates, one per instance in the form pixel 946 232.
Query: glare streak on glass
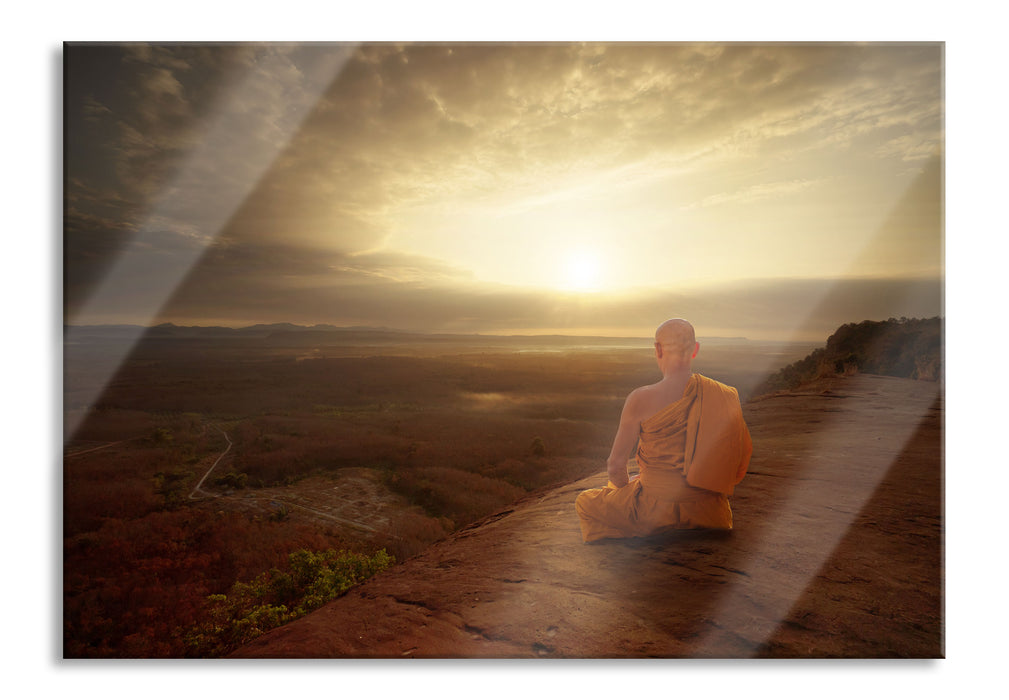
pixel 812 494
pixel 202 177
pixel 816 494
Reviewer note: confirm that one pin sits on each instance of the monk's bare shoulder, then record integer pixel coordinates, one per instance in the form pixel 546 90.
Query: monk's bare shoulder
pixel 642 394
pixel 641 402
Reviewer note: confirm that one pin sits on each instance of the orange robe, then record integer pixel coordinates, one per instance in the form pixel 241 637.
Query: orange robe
pixel 690 456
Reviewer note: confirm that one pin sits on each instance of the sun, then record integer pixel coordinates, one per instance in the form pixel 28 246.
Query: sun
pixel 581 272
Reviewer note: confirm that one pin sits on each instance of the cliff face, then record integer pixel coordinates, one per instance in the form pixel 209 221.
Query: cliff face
pixel 836 551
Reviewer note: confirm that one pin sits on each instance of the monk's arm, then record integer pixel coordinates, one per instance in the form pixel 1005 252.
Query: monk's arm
pixel 623 443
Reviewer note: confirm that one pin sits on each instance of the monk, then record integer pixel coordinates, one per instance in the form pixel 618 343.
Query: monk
pixel 693 447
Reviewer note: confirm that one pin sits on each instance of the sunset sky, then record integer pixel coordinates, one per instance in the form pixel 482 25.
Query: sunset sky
pixel 765 190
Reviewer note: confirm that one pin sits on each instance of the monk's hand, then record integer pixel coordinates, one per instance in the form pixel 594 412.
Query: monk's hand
pixel 619 480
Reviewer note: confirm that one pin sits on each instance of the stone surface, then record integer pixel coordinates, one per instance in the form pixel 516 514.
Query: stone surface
pixel 836 552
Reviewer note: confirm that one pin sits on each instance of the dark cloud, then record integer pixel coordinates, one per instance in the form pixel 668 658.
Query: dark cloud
pixel 135 113
pixel 188 133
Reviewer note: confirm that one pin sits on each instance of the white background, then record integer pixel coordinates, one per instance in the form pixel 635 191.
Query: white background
pixel 30 632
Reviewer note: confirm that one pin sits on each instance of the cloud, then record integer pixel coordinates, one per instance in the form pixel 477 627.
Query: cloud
pixel 392 266
pixel 756 193
pixel 189 117
pixel 407 142
pixel 526 114
pixel 188 169
pixel 418 294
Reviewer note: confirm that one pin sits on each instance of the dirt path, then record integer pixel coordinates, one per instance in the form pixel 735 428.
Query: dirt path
pixel 310 496
pixel 197 490
pixel 287 499
pixel 76 453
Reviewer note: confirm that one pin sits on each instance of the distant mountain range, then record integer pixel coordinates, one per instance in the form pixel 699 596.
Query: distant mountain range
pixel 290 333
pixel 172 330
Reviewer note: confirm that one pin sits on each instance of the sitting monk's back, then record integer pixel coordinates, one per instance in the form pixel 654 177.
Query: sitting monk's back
pixel 700 439
pixel 691 446
pixel 662 442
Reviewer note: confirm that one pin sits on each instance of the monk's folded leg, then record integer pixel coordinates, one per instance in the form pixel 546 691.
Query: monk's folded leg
pixel 607 512
pixel 710 511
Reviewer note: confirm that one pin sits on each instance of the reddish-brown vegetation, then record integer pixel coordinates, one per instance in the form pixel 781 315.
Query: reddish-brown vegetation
pixel 440 441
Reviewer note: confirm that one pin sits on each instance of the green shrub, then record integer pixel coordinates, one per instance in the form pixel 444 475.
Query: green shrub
pixel 172 486
pixel 276 597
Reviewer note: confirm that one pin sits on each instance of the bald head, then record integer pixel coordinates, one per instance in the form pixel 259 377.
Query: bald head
pixel 676 336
